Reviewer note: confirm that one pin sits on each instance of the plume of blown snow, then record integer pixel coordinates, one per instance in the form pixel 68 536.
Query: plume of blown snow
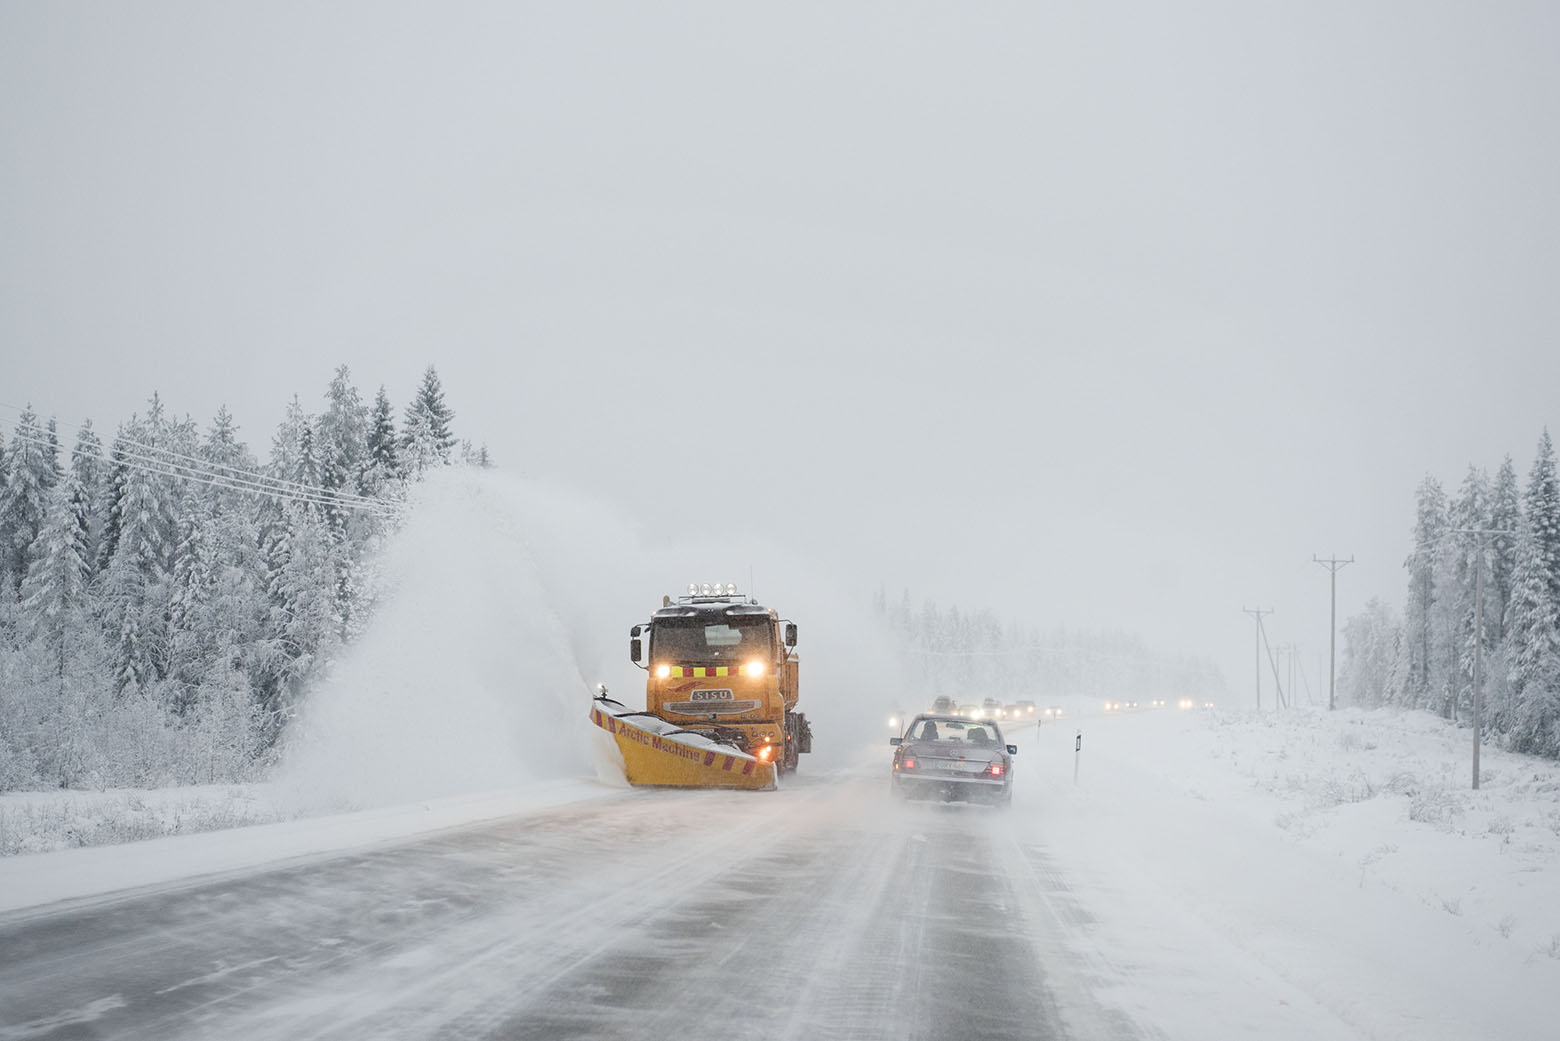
pixel 504 603
pixel 466 678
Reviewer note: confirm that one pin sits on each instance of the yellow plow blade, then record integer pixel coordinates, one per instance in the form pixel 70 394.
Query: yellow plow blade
pixel 652 759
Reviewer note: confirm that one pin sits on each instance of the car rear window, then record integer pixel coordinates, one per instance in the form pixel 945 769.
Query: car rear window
pixel 968 731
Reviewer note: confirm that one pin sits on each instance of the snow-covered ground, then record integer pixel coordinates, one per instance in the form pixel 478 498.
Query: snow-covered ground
pixel 1337 869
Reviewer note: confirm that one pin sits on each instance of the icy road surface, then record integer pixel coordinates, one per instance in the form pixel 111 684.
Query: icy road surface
pixel 822 911
pixel 1310 878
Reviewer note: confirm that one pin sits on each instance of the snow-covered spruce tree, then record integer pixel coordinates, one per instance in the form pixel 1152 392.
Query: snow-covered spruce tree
pixel 113 489
pixel 54 592
pixel 287 441
pixel 195 566
pixel 223 646
pixel 1456 609
pixel 91 472
pixel 1505 515
pixel 1372 649
pixel 58 470
pixel 304 564
pixel 1532 720
pixel 1543 514
pixel 64 647
pixel 382 464
pixel 1419 621
pixel 31 471
pixel 135 586
pixel 1532 712
pixel 426 438
pixel 303 616
pixel 343 445
pixel 344 432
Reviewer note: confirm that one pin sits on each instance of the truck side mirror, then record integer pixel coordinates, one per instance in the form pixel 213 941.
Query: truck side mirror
pixel 896 740
pixel 790 634
pixel 635 631
pixel 1012 749
pixel 635 648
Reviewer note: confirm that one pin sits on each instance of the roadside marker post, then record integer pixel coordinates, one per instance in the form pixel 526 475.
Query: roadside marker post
pixel 1077 754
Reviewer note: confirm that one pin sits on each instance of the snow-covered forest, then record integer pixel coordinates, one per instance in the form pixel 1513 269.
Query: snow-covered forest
pixel 165 598
pixel 1496 536
pixel 974 654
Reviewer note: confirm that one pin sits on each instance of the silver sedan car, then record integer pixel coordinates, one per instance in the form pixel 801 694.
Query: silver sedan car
pixel 949 757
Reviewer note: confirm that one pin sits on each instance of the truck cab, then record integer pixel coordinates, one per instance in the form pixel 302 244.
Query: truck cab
pixel 722 664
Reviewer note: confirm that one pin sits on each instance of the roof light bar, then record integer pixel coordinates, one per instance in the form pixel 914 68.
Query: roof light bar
pixel 712 589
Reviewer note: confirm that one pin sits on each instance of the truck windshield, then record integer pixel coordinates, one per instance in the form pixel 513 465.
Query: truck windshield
pixel 701 640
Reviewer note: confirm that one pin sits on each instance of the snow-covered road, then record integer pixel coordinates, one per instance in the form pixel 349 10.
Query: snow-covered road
pixel 1305 878
pixel 820 911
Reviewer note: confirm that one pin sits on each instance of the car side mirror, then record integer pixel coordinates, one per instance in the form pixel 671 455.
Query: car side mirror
pixel 790 634
pixel 635 648
pixel 1012 749
pixel 896 740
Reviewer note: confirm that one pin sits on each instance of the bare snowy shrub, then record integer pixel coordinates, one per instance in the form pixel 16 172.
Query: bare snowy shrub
pixel 1507 924
pixel 1452 905
pixel 1502 825
pixel 1402 783
pixel 1339 791
pixel 1434 806
pixel 52 822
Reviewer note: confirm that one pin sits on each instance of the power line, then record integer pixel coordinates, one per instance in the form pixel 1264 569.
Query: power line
pixel 169 457
pixel 260 484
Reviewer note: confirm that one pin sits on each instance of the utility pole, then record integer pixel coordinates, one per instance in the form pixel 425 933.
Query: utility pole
pixel 1332 564
pixel 1280 701
pixel 1289 653
pixel 1257 613
pixel 1478 634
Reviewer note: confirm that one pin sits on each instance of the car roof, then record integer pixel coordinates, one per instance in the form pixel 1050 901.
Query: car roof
pixel 944 717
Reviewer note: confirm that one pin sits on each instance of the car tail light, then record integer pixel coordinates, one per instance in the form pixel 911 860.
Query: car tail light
pixel 907 764
pixel 995 769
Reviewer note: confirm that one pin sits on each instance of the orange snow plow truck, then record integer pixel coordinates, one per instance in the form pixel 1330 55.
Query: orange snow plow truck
pixel 720 697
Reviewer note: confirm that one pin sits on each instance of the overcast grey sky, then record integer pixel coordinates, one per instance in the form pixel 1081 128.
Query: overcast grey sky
pixel 1108 314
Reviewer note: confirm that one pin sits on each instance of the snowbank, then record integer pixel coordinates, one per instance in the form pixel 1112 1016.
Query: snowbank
pixel 1338 866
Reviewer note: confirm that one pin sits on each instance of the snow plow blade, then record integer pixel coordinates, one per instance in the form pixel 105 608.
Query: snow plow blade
pixel 658 754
